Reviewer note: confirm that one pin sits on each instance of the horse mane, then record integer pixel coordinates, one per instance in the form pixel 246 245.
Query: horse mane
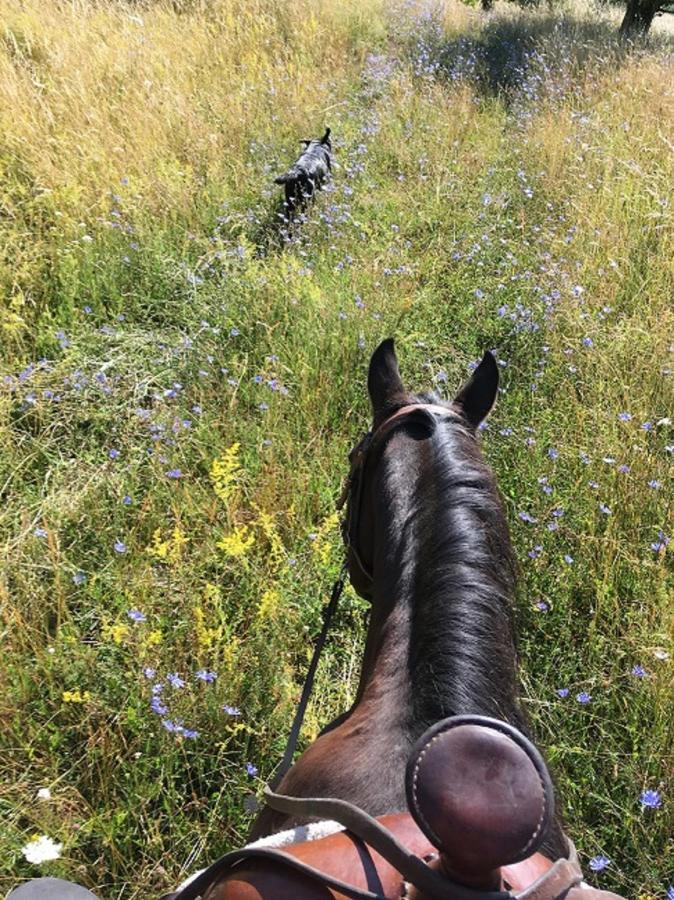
pixel 462 650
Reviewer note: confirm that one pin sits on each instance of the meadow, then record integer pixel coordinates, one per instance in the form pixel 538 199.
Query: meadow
pixel 180 386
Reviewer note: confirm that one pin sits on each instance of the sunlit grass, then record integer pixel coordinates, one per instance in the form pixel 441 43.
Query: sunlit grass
pixel 182 390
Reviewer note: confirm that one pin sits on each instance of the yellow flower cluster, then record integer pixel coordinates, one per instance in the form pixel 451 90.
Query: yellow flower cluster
pixel 225 471
pixel 114 632
pixel 265 522
pixel 322 545
pixel 268 604
pixel 238 543
pixel 76 696
pixel 171 549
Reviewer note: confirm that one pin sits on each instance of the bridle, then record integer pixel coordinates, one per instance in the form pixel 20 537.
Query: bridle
pixel 352 493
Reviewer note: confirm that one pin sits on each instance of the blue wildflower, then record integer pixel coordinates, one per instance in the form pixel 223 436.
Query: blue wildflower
pixel 651 799
pixel 599 863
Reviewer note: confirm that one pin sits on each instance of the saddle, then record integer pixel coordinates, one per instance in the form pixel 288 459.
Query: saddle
pixel 480 800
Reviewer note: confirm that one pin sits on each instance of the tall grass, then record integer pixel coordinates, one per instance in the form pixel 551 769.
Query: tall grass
pixel 181 388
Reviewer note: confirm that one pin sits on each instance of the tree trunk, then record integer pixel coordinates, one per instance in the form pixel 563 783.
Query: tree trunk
pixel 638 17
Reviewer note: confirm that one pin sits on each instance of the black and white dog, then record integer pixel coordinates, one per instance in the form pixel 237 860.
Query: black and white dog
pixel 307 174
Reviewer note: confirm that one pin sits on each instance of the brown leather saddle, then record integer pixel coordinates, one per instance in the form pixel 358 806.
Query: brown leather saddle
pixel 480 800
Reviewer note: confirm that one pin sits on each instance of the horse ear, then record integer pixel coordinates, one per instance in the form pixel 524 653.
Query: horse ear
pixel 383 381
pixel 478 394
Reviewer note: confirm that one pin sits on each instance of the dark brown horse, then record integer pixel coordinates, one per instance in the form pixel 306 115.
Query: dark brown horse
pixel 429 548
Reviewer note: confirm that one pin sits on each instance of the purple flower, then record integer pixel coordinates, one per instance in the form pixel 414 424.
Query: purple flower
pixel 205 675
pixel 120 547
pixel 562 692
pixel 136 615
pixel 232 710
pixel 651 799
pixel 175 680
pixel 251 769
pixel 639 672
pixel 158 707
pixel 583 697
pixel 174 473
pixel 598 863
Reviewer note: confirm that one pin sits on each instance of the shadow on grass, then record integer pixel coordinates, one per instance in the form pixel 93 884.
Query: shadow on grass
pixel 519 56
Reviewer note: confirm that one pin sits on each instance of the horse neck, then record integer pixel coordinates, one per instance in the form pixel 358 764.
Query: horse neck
pixel 440 640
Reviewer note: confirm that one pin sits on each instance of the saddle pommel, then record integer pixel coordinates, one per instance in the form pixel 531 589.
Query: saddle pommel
pixel 481 793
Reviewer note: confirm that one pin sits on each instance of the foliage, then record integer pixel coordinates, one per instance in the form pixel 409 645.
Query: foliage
pixel 181 388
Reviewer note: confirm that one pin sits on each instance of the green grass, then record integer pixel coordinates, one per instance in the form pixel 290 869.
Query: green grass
pixel 466 213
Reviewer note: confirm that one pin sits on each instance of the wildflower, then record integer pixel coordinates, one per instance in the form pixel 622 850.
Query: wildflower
pixel 562 692
pixel 231 710
pixel 599 863
pixel 205 675
pixel 120 547
pixel 238 542
pixel 175 680
pixel 42 849
pixel 158 707
pixel 251 769
pixel 639 672
pixel 225 471
pixel 583 697
pixel 136 615
pixel 79 578
pixel 76 696
pixel 651 799
pixel 527 517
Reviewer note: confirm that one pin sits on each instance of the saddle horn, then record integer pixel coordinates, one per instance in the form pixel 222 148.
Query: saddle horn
pixel 481 793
